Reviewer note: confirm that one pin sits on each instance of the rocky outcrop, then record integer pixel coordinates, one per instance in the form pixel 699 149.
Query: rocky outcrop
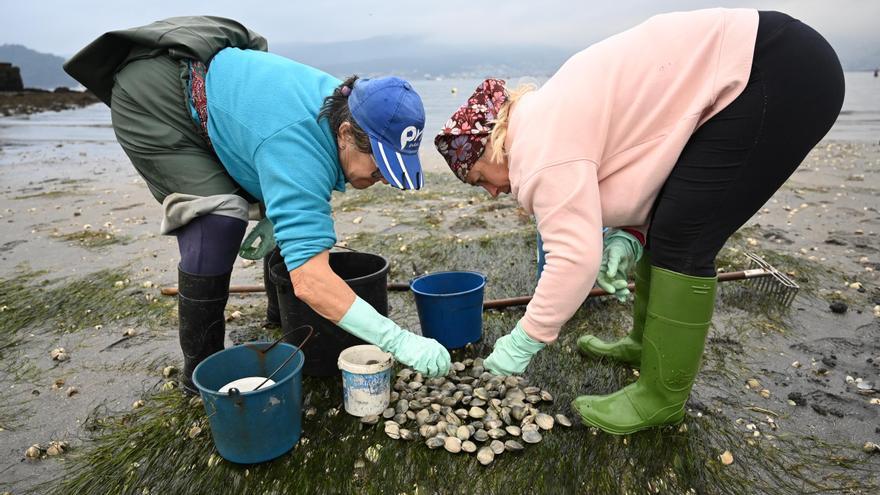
pixel 10 77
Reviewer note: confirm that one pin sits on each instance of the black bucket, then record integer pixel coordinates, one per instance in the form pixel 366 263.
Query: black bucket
pixel 365 273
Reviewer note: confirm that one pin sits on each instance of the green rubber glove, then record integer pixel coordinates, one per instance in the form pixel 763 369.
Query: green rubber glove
pixel 259 242
pixel 621 252
pixel 424 355
pixel 512 353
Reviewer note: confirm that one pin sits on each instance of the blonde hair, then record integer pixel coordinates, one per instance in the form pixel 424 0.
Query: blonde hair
pixel 499 132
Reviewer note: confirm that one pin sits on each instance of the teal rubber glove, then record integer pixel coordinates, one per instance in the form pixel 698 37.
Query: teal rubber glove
pixel 621 252
pixel 259 242
pixel 512 353
pixel 424 355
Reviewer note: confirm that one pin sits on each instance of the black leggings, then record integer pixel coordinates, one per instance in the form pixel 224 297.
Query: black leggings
pixel 735 162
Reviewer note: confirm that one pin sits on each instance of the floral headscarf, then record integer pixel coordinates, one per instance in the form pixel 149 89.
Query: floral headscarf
pixel 463 139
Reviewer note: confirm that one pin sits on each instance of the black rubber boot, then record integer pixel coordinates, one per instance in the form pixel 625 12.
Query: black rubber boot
pixel 273 316
pixel 202 324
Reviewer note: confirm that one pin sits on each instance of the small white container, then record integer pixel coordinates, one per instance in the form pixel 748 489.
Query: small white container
pixel 366 379
pixel 246 384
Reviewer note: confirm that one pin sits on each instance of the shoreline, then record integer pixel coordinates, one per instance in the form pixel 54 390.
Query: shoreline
pixel 30 101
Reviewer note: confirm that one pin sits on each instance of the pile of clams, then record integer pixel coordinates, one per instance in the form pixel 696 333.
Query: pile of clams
pixel 470 410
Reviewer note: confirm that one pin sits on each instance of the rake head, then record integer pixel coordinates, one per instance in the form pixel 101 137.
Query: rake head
pixel 768 284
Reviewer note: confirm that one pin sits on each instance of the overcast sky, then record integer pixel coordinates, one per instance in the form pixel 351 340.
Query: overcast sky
pixel 62 27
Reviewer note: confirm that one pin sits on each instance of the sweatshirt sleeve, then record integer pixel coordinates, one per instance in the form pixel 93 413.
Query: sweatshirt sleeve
pixel 565 201
pixel 297 180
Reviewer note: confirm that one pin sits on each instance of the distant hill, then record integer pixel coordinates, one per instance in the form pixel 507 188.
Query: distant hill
pixel 407 56
pixel 38 70
pixel 413 57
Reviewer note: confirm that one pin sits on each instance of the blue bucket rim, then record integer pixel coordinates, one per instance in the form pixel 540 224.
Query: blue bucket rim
pixel 297 369
pixel 450 294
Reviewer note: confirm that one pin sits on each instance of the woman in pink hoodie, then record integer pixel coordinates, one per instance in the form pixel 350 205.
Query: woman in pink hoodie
pixel 674 133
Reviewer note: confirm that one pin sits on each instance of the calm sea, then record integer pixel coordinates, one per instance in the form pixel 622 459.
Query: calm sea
pixel 859 120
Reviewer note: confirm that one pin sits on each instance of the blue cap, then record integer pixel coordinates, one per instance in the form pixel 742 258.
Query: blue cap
pixel 390 111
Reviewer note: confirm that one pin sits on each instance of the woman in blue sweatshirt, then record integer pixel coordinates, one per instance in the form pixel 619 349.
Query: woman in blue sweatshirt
pixel 215 124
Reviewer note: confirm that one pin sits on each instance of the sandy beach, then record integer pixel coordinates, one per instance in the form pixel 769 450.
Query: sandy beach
pixel 793 394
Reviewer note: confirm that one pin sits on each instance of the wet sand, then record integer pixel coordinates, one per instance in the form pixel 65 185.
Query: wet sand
pixel 79 212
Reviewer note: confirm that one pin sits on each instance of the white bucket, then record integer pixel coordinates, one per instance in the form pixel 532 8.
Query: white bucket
pixel 366 379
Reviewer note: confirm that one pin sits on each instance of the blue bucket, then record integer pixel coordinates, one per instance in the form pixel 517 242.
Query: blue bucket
pixel 257 426
pixel 450 306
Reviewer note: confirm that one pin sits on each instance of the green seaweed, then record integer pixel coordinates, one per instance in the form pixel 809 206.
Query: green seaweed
pixel 150 451
pixel 93 239
pixel 31 303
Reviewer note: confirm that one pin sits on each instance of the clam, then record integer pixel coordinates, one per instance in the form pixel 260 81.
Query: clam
pixel 529 427
pixel 463 433
pixel 497 447
pixel 406 434
pixel 476 412
pixel 388 413
pixel 400 418
pixel 461 413
pixel 485 456
pixel 457 366
pixel 531 436
pixel 532 390
pixel 513 446
pixel 517 412
pixel 422 416
pixel 546 396
pixel 392 429
pixel 59 354
pixel 513 430
pixel 452 418
pixel 451 430
pixel 410 414
pixel 544 421
pixel 493 423
pixel 427 431
pixel 515 394
pixel 452 444
pixel 533 399
pixel 481 393
pixel 34 452
pixel 414 385
pixel 563 420
pixel 496 433
pixel 370 420
pixel 435 442
pixel 481 435
pixel 468 446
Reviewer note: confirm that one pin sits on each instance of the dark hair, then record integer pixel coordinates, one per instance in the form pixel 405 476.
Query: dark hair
pixel 335 110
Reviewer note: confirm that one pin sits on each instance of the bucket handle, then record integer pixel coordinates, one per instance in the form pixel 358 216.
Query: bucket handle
pixel 294 353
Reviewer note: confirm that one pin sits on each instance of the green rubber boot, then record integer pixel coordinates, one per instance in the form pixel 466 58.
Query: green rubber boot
pixel 678 317
pixel 627 350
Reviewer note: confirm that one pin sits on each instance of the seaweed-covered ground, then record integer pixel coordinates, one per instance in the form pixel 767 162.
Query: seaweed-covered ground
pixel 788 392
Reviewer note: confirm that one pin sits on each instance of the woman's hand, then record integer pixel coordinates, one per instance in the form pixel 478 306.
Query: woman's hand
pixel 621 252
pixel 316 284
pixel 425 355
pixel 512 353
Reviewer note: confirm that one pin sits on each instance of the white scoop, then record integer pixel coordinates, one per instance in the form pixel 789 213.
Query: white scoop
pixel 246 384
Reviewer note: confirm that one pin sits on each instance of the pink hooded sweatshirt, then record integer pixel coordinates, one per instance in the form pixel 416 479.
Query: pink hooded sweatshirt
pixel 593 146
